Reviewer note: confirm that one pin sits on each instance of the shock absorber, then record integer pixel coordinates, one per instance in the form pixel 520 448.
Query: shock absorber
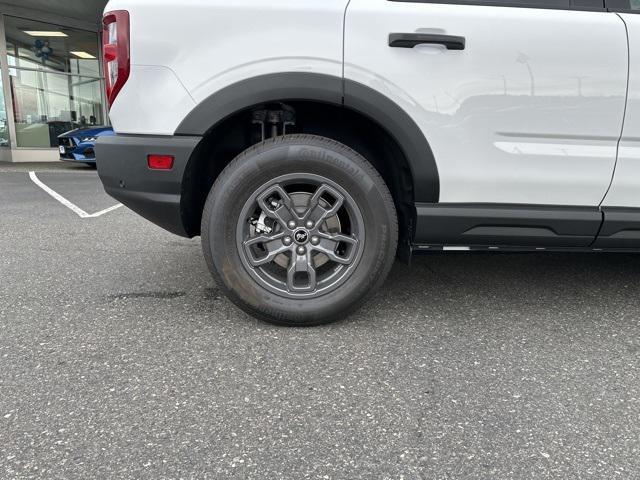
pixel 273 120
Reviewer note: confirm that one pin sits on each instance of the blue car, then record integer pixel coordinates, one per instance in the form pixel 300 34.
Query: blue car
pixel 77 145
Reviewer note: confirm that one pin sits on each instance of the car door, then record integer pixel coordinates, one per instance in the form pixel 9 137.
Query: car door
pixel 621 206
pixel 625 187
pixel 519 105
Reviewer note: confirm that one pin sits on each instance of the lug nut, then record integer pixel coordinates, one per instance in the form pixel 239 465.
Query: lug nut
pixel 292 224
pixel 310 224
pixel 301 250
pixel 287 241
pixel 315 240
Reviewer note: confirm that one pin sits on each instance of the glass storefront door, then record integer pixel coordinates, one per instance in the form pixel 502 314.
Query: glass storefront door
pixel 55 80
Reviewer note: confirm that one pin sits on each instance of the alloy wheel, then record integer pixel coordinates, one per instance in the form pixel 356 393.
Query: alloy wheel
pixel 300 235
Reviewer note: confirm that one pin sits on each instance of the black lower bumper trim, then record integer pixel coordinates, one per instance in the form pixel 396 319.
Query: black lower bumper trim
pixel 154 194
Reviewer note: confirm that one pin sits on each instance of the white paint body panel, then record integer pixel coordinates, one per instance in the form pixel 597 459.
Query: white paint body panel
pixel 530 113
pixel 625 188
pixel 211 44
pixel 153 102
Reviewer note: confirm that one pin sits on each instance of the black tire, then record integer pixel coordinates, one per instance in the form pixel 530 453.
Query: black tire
pixel 369 202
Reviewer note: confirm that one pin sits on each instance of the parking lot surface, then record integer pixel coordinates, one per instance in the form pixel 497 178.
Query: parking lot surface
pixel 120 358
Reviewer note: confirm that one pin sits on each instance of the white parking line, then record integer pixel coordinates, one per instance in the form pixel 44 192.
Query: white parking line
pixel 80 212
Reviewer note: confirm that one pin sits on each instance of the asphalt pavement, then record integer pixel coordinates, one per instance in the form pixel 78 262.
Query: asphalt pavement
pixel 120 358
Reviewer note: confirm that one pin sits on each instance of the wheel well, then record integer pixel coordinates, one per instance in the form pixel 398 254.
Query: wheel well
pixel 222 143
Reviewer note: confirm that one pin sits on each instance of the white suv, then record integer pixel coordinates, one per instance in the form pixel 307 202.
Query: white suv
pixel 309 142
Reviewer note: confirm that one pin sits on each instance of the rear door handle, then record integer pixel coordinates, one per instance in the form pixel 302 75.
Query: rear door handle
pixel 410 40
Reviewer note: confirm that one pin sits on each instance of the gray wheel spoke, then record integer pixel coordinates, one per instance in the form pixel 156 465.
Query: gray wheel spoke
pixel 300 235
pixel 319 213
pixel 273 245
pixel 301 275
pixel 329 244
pixel 283 211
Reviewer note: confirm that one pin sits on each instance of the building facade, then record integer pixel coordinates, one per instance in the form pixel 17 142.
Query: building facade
pixel 51 75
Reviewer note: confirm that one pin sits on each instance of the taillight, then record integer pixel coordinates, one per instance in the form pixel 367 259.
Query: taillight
pixel 115 51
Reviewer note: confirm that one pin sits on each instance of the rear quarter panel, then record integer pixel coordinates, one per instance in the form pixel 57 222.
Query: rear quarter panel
pixel 184 51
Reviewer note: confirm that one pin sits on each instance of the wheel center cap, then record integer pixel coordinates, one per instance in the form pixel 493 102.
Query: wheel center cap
pixel 301 236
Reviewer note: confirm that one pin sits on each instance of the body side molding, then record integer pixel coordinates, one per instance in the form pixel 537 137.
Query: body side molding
pixel 303 86
pixel 621 228
pixel 507 225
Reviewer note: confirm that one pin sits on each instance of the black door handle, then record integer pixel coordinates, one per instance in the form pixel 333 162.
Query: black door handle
pixel 410 40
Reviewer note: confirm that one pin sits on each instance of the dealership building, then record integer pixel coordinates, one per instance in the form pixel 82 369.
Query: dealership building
pixel 52 79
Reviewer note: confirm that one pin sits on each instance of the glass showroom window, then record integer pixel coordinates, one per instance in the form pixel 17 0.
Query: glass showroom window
pixel 55 80
pixel 4 128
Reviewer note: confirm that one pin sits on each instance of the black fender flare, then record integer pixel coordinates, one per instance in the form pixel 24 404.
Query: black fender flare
pixel 304 86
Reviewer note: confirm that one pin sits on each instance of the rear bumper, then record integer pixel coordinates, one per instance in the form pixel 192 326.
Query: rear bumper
pixel 153 194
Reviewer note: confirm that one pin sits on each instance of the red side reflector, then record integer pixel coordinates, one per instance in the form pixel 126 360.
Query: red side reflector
pixel 160 162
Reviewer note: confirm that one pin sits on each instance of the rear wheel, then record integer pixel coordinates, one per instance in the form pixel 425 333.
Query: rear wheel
pixel 299 230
